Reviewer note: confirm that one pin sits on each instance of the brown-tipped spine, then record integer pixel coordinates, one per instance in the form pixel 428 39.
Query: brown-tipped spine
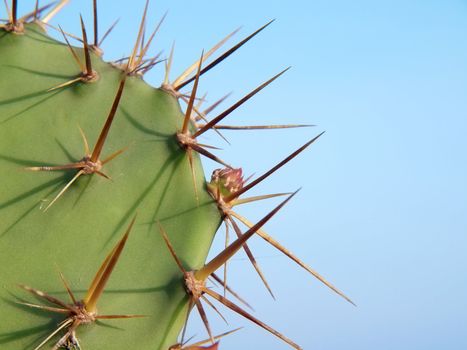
pixel 109 263
pixel 224 114
pixel 14 12
pixel 87 56
pixel 108 123
pixel 271 171
pixel 95 22
pixel 192 97
pixel 223 56
pixel 203 273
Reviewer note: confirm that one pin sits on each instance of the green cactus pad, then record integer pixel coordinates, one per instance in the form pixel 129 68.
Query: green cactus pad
pixel 151 178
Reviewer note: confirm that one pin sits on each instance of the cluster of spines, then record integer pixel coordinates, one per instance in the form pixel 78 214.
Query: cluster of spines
pixel 226 185
pixel 84 311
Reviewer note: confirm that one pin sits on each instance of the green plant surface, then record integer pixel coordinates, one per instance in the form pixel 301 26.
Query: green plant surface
pixel 151 178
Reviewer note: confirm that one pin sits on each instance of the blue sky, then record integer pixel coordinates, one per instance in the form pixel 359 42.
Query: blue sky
pixel 382 210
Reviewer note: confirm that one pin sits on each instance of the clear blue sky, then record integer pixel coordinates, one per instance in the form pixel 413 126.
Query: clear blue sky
pixel 383 207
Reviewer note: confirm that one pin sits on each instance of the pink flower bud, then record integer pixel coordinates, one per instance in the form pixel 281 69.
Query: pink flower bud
pixel 226 181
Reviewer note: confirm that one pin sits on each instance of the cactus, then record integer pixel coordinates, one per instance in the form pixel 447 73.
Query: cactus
pixel 88 150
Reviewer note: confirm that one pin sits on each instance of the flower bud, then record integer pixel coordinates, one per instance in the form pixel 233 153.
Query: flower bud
pixel 225 182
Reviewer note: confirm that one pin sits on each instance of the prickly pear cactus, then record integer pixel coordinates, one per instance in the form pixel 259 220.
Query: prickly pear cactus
pixel 106 216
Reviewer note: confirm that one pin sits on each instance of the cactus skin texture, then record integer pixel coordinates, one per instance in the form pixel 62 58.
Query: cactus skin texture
pixel 48 106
